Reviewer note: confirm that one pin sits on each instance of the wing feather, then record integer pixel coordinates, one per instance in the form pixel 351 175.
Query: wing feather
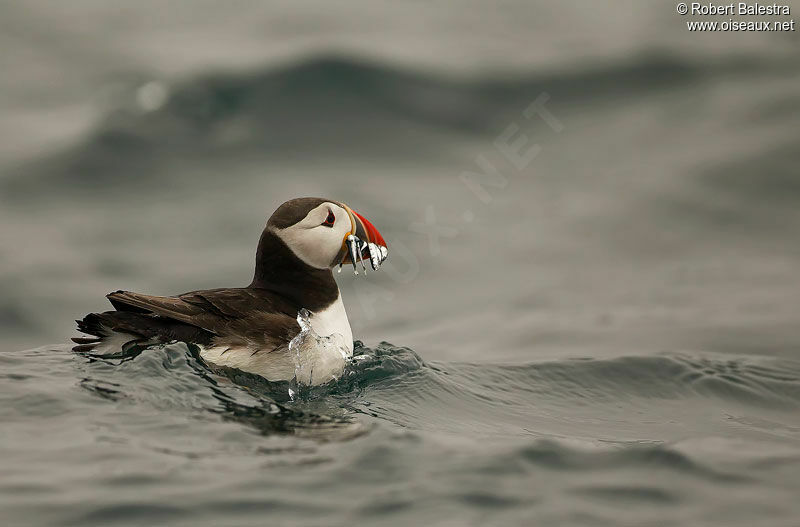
pixel 223 312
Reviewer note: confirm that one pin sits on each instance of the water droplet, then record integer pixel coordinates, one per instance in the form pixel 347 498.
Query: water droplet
pixel 152 96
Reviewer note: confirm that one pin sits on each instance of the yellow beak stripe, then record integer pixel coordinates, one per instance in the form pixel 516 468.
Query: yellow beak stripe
pixel 352 223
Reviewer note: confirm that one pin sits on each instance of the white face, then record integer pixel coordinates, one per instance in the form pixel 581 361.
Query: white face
pixel 313 240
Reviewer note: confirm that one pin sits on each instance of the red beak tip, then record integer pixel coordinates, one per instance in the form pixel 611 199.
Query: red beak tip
pixel 374 234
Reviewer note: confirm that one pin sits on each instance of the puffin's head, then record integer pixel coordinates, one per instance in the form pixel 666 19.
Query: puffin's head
pixel 324 233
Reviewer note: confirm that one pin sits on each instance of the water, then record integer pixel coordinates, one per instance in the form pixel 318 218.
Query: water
pixel 158 437
pixel 604 335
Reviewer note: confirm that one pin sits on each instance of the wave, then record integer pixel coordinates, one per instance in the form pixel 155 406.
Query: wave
pixel 345 106
pixel 566 398
pixel 773 383
pixel 394 384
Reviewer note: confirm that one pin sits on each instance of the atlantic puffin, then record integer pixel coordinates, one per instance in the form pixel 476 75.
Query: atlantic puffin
pixel 250 328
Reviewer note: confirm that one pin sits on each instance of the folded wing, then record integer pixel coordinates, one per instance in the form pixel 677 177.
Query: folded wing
pixel 248 313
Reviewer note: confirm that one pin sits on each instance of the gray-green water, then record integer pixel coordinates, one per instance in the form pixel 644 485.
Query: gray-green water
pixel 606 334
pixel 639 440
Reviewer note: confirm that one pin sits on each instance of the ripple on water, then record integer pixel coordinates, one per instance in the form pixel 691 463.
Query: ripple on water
pixel 483 437
pixel 394 384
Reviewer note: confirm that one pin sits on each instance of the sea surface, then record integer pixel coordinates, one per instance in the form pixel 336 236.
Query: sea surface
pixel 589 315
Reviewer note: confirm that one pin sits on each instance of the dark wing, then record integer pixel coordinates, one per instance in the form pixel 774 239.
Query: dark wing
pixel 252 314
pixel 143 328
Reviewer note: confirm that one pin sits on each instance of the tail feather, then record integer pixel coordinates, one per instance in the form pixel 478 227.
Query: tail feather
pixel 83 340
pixel 85 348
pixel 92 324
pixel 117 331
pixel 107 332
pixel 85 344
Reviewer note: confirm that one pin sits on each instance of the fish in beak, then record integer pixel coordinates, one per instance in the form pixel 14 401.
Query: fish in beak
pixel 363 243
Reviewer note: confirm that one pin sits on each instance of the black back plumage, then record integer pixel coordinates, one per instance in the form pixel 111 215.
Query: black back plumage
pixel 261 314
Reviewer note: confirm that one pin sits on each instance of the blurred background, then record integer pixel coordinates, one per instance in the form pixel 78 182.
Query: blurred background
pixel 145 145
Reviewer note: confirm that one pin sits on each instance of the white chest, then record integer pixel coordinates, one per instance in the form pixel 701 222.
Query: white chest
pixel 333 319
pixel 319 361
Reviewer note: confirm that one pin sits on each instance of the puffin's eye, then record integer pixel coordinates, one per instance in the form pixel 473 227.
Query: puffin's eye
pixel 330 220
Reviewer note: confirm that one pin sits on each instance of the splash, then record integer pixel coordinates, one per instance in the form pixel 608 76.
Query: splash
pixel 318 360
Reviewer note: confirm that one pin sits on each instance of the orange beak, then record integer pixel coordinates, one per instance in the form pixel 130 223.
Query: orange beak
pixel 365 231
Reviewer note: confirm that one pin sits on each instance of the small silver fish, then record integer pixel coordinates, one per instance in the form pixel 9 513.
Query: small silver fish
pixel 352 248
